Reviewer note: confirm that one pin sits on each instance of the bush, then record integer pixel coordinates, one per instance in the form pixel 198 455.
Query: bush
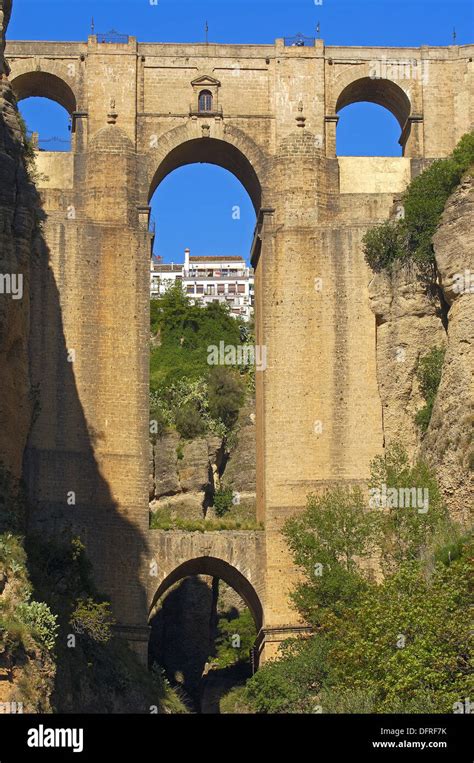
pixel 428 373
pixel 227 651
pixel 189 421
pixel 410 239
pixel 158 423
pixel 384 244
pixel 293 683
pixel 406 532
pixel 335 528
pixel 223 498
pixel 226 395
pixel 38 617
pixel 93 619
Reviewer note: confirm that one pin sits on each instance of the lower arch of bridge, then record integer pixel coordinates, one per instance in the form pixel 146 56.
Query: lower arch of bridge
pixel 44 85
pixel 211 151
pixel 218 568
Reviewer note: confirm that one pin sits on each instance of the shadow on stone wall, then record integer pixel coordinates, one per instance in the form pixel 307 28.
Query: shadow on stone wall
pixel 41 406
pixel 67 494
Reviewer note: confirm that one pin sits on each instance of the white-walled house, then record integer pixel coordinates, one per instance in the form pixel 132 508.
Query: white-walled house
pixel 209 279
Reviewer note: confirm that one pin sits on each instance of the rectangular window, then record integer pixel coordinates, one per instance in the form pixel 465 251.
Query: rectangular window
pixel 241 288
pixel 221 288
pixel 190 289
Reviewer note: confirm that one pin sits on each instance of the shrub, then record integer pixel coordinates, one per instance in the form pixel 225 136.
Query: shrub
pixel 229 650
pixel 226 395
pixel 93 619
pixel 406 531
pixel 428 373
pixel 189 421
pixel 38 617
pixel 384 244
pixel 293 683
pixel 158 423
pixel 223 498
pixel 410 239
pixel 396 646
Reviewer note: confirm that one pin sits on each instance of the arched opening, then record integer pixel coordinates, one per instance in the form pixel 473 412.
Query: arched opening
pixel 211 151
pixel 205 100
pixel 46 103
pixel 48 124
pixel 204 197
pixel 373 118
pixel 202 399
pixel 204 620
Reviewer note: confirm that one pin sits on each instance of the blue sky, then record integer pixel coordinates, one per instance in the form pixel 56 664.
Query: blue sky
pixel 179 219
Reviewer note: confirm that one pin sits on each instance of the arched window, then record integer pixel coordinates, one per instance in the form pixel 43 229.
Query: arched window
pixel 205 100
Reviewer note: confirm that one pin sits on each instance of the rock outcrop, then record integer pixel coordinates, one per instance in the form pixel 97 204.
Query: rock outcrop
pixel 448 441
pixel 184 474
pixel 409 323
pixel 411 320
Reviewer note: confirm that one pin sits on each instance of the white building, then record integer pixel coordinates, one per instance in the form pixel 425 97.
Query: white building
pixel 209 279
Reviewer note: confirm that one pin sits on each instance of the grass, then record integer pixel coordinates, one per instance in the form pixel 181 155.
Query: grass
pixel 160 521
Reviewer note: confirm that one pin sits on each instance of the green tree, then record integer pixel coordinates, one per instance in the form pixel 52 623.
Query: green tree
pixel 226 395
pixel 335 530
pixel 430 368
pixel 400 644
pixel 407 530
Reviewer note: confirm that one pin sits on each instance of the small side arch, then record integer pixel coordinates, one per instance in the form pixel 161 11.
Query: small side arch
pixel 211 565
pixel 383 92
pixel 44 85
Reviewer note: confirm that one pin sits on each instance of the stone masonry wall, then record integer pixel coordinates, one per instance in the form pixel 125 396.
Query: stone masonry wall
pixel 319 413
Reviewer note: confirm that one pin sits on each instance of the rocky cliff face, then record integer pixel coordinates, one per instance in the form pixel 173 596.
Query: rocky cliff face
pixel 185 474
pixel 409 323
pixel 411 319
pixel 17 233
pixel 448 441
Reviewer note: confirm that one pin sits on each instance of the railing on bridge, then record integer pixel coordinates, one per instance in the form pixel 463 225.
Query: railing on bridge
pixel 37 142
pixel 112 37
pixel 300 41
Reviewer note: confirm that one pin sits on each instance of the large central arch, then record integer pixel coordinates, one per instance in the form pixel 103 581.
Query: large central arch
pixel 237 154
pixel 218 568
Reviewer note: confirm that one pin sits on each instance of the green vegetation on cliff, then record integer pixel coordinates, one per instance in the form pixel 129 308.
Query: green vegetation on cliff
pixel 96 671
pixel 28 627
pixel 58 648
pixel 429 372
pixel 390 632
pixel 410 239
pixel 186 392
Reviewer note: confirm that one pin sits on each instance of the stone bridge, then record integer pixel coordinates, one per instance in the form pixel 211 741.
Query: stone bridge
pixel 268 114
